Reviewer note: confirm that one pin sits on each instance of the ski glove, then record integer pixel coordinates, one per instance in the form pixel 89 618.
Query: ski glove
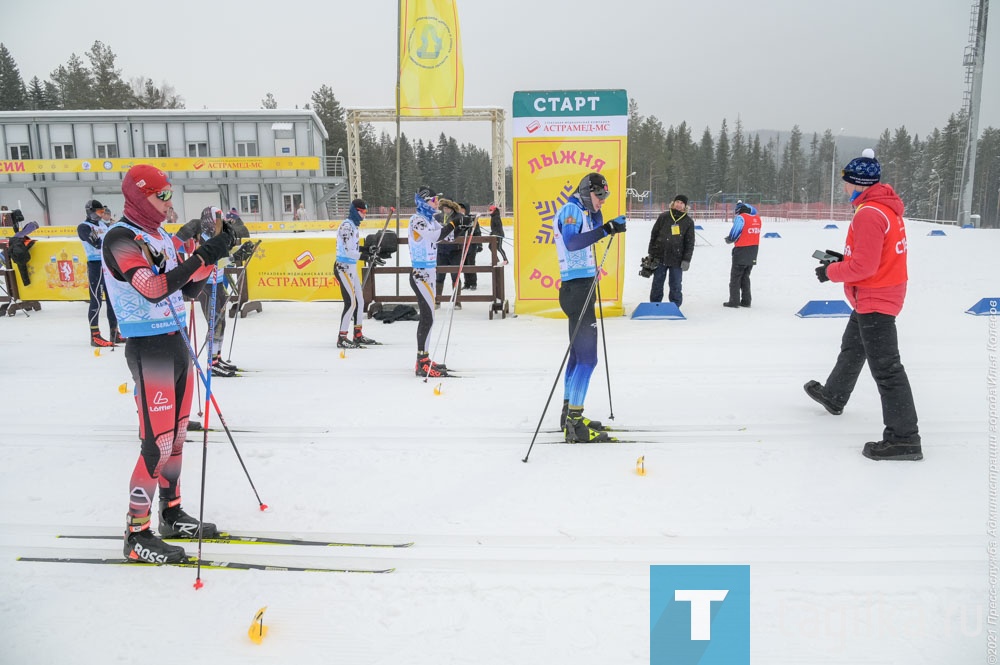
pixel 616 225
pixel 215 248
pixel 685 265
pixel 729 241
pixel 821 273
pixel 244 252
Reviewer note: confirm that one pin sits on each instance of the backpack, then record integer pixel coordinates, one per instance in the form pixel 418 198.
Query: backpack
pixel 390 313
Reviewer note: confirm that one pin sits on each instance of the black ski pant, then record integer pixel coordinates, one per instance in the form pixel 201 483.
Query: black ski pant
pixel 872 338
pixel 739 280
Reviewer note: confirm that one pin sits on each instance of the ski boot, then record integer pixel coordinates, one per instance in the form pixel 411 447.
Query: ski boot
pixel 592 424
pixel 175 523
pixel 359 338
pixel 427 369
pixel 97 340
pixel 224 364
pixel 344 343
pixel 220 370
pixel 116 337
pixel 576 431
pixel 143 546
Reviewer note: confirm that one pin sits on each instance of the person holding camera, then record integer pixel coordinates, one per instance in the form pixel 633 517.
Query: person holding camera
pixel 147 286
pixel 873 271
pixel 745 239
pixel 672 242
pixel 469 227
pixel 346 271
pixel 496 229
pixel 578 225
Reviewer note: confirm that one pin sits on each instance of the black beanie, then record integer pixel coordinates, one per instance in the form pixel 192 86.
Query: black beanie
pixel 683 199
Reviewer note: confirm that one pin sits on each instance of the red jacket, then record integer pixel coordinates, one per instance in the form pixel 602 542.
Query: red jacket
pixel 874 267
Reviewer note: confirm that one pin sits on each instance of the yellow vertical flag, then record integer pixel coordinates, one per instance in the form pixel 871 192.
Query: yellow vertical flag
pixel 431 76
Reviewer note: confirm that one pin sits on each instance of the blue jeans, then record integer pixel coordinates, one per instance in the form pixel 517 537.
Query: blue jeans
pixel 673 276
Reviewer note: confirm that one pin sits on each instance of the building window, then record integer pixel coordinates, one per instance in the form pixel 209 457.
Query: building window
pixel 62 151
pixel 20 152
pixel 246 149
pixel 156 150
pixel 107 150
pixel 197 150
pixel 290 202
pixel 250 204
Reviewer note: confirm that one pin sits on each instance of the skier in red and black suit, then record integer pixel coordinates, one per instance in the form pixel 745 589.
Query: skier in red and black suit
pixel 745 238
pixel 145 284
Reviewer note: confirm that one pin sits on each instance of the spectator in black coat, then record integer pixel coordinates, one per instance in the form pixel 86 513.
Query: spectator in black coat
pixel 672 242
pixel 496 229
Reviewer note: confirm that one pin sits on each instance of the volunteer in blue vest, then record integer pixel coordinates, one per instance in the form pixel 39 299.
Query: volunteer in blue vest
pixel 147 286
pixel 745 239
pixel 873 271
pixel 91 232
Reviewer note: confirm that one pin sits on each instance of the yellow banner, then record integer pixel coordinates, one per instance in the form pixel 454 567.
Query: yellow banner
pixel 547 172
pixel 431 75
pixel 57 271
pixel 9 166
pixel 299 269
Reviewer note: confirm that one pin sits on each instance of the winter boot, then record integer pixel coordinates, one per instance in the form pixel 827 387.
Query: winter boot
pixel 175 523
pixel 576 430
pixel 359 337
pixel 427 369
pixel 218 369
pixel 815 390
pixel 893 450
pixel 97 340
pixel 344 343
pixel 592 424
pixel 730 304
pixel 142 545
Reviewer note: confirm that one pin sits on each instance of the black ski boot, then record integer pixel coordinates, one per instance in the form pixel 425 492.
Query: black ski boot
pixel 175 523
pixel 220 370
pixel 344 343
pixel 576 431
pixel 359 338
pixel 142 545
pixel 224 364
pixel 592 424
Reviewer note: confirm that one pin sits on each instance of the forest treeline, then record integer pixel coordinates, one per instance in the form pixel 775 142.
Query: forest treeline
pixel 789 167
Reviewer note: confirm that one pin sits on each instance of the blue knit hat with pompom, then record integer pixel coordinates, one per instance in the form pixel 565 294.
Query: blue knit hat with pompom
pixel 864 170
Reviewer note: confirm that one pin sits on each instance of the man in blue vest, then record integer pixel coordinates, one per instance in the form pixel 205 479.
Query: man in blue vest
pixel 91 232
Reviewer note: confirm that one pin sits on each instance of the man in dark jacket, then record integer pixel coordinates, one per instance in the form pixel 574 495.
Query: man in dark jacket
pixel 672 242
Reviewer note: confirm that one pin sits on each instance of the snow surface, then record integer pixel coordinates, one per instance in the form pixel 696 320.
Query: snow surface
pixel 852 561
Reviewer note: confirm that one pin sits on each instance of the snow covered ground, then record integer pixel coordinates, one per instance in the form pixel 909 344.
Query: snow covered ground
pixel 852 561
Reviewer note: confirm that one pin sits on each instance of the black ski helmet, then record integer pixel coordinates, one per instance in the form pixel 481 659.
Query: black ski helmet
pixel 741 207
pixel 92 207
pixel 593 183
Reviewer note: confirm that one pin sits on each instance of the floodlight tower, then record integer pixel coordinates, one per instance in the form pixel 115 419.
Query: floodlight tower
pixel 974 55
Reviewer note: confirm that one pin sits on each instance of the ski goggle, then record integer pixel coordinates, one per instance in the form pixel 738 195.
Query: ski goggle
pixel 165 195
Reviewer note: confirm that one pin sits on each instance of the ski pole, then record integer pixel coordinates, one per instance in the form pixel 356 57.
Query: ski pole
pixel 572 339
pixel 242 283
pixel 208 395
pixel 193 333
pixel 452 300
pixel 604 342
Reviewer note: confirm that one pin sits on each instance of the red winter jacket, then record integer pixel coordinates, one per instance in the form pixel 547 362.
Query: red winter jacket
pixel 869 232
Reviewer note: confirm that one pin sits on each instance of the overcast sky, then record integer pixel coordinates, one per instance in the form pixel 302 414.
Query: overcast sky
pixel 860 66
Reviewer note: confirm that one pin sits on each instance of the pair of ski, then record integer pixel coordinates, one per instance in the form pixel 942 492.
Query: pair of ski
pixel 227 539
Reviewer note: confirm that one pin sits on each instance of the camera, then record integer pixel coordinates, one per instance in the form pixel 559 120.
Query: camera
pixel 828 256
pixel 648 265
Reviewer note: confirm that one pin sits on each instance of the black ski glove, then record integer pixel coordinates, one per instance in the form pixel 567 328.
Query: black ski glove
pixel 821 273
pixel 214 248
pixel 685 265
pixel 616 225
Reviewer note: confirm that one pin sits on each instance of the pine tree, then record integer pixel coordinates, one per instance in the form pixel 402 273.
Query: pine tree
pixel 13 95
pixel 324 103
pixel 269 102
pixel 37 98
pixel 722 159
pixel 74 84
pixel 110 90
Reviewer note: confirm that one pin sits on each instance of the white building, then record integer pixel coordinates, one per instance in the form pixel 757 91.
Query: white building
pixel 58 199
